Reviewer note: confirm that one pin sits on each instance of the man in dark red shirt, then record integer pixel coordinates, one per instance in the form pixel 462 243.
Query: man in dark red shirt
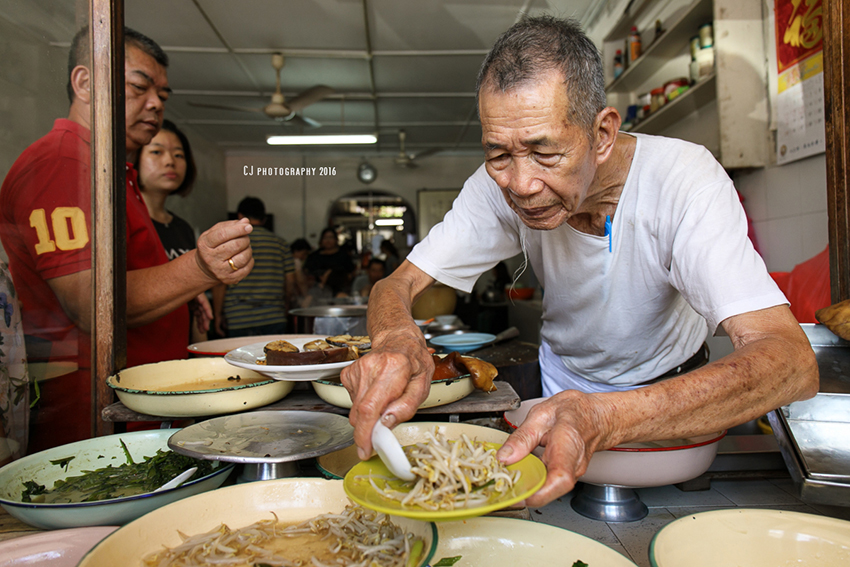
pixel 45 219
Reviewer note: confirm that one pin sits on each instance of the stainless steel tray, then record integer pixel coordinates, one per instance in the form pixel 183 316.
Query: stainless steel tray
pixel 264 437
pixel 814 435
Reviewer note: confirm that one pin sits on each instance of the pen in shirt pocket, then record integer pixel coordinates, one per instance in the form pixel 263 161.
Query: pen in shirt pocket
pixel 608 230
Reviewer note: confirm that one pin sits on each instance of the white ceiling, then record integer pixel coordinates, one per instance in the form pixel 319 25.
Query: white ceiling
pixel 394 64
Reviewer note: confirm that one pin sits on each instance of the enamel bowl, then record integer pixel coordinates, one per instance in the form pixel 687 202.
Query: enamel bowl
pixel 195 387
pixel 442 392
pixel 752 537
pixel 508 542
pixel 292 500
pixel 92 454
pixel 640 465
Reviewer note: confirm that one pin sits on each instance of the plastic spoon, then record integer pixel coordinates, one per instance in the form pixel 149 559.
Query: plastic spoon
pixel 177 480
pixel 390 451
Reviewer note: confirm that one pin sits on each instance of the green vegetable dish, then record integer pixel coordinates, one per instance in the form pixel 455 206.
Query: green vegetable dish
pixel 120 481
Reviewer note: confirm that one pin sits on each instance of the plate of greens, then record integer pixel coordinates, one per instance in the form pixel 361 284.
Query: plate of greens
pixel 101 481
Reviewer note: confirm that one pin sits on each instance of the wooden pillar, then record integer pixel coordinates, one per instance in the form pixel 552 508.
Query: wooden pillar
pixel 836 52
pixel 109 273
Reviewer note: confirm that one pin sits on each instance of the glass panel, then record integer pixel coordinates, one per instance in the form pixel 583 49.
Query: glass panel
pixel 45 228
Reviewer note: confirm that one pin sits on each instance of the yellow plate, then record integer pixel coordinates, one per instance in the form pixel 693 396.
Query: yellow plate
pixel 338 463
pixel 362 492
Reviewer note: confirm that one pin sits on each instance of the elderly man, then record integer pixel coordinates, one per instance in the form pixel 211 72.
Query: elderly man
pixel 45 215
pixel 638 241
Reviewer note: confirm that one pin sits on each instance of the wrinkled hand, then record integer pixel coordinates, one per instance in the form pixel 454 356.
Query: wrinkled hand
pixel 391 381
pixel 202 312
pixel 570 427
pixel 226 241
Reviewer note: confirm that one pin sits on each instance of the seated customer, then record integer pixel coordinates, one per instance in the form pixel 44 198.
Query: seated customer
pixel 376 271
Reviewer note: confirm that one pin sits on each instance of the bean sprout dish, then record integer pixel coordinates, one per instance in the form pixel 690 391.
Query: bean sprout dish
pixel 355 537
pixel 451 474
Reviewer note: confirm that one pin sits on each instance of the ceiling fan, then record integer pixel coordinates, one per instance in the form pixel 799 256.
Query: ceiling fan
pixel 278 108
pixel 405 159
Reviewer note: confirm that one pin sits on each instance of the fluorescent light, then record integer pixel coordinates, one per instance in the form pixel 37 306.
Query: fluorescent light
pixel 326 139
pixel 389 222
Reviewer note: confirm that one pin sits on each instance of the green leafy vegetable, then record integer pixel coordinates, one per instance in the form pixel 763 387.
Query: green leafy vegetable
pixel 32 489
pixel 447 561
pixel 117 481
pixel 579 563
pixel 63 462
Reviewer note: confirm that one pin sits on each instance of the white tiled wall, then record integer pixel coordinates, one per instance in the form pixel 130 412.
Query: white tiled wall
pixel 788 207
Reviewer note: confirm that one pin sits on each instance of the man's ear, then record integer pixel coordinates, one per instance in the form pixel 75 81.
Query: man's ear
pixel 605 128
pixel 81 83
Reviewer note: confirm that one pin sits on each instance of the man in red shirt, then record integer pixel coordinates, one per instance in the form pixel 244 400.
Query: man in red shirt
pixel 45 219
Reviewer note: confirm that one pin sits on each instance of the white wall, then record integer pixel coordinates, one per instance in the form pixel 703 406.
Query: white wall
pixel 788 207
pixel 301 204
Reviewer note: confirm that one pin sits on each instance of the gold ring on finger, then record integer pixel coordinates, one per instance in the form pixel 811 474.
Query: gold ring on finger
pixel 232 265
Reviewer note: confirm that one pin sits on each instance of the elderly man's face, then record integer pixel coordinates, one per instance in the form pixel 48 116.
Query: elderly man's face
pixel 146 90
pixel 543 164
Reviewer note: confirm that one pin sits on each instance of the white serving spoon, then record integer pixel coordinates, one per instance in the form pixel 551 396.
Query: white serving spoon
pixel 390 451
pixel 177 480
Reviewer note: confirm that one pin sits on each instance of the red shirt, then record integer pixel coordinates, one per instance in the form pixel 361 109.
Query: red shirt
pixel 45 227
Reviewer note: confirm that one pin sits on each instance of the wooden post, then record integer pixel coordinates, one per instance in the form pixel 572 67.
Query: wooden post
pixel 109 273
pixel 836 62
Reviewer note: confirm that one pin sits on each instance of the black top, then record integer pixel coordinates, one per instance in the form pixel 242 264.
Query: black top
pixel 318 263
pixel 178 236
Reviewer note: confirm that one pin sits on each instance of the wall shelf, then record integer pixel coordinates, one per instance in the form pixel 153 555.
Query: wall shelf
pixel 668 45
pixel 737 132
pixel 694 98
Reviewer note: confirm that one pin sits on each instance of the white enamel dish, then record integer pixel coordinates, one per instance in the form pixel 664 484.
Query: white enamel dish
pixel 252 357
pixel 752 538
pixel 640 465
pixel 291 499
pixel 57 548
pixel 194 387
pixel 442 392
pixel 220 347
pixel 92 454
pixel 508 542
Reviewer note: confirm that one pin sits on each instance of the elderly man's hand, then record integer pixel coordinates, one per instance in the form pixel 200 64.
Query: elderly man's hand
pixel 393 379
pixel 569 425
pixel 224 251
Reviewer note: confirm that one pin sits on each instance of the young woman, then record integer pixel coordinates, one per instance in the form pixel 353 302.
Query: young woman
pixel 166 167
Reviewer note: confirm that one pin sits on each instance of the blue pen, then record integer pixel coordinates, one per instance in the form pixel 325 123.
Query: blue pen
pixel 608 230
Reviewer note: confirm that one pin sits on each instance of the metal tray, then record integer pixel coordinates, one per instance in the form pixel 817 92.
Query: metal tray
pixel 813 434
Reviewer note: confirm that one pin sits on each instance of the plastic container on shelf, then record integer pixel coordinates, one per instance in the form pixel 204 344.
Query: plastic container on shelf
pixel 658 99
pixel 673 86
pixel 706 36
pixel 695 47
pixel 704 63
pixel 634 44
pixel 618 63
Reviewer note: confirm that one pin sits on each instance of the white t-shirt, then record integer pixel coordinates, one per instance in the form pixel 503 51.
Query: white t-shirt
pixel 680 258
